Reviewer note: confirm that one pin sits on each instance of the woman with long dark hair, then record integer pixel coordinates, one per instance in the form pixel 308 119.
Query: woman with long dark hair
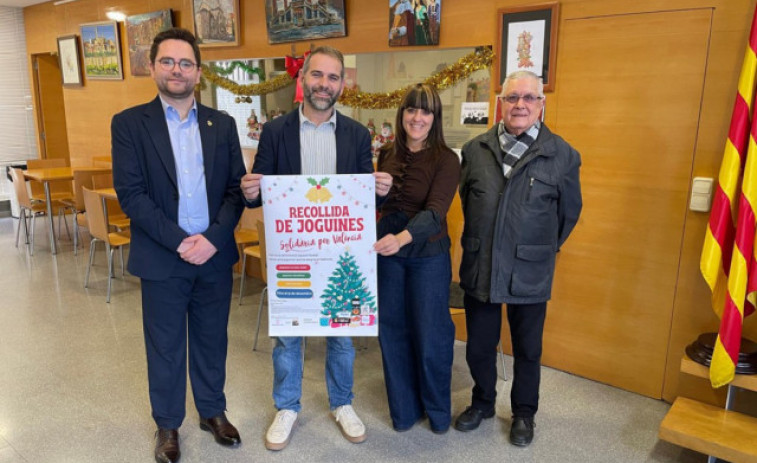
pixel 416 333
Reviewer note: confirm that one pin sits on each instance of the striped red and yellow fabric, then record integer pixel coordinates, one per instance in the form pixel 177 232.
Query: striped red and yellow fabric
pixel 728 263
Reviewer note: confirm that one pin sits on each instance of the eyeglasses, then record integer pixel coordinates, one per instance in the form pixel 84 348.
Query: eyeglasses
pixel 528 99
pixel 168 64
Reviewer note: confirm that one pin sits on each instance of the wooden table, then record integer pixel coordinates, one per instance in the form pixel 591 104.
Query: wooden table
pixel 50 175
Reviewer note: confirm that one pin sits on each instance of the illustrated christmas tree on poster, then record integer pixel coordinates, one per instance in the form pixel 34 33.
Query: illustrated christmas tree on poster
pixel 347 301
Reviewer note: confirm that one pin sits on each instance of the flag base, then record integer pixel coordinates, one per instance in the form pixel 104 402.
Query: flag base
pixel 701 349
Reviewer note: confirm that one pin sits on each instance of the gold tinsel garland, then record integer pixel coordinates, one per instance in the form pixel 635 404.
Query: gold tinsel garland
pixel 263 88
pixel 482 58
pixel 448 77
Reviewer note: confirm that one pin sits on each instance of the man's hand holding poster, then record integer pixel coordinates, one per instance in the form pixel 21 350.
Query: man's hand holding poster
pixel 320 232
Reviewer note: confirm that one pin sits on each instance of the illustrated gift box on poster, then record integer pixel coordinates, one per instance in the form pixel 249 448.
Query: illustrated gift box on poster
pixel 320 232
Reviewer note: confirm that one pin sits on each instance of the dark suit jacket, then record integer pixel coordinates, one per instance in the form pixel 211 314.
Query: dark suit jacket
pixel 144 175
pixel 279 148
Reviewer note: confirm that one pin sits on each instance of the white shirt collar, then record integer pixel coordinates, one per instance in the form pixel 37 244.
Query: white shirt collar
pixel 304 119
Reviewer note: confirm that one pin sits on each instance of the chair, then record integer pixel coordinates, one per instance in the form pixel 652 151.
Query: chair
pixel 82 178
pixel 258 251
pixel 102 180
pixel 116 216
pixel 248 156
pixel 246 233
pixel 61 193
pixel 26 206
pixel 98 229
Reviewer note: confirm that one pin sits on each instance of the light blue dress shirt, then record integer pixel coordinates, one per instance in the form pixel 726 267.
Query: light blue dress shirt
pixel 190 169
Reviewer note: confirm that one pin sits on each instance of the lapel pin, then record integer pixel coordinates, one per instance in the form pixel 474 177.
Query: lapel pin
pixel 210 123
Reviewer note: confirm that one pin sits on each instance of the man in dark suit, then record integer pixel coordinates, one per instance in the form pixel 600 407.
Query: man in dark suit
pixel 176 168
pixel 314 140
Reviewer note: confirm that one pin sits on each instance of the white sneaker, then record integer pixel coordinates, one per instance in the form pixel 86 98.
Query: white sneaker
pixel 280 432
pixel 350 424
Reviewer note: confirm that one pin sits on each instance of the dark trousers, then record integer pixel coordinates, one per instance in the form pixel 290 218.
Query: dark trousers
pixel 417 338
pixel 483 321
pixel 187 311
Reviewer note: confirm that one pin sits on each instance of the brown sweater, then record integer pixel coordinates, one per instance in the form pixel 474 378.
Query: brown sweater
pixel 424 184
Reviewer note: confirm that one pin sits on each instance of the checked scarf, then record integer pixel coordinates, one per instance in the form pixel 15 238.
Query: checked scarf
pixel 513 146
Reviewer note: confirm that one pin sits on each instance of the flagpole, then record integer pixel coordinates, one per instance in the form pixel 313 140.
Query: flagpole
pixel 729 399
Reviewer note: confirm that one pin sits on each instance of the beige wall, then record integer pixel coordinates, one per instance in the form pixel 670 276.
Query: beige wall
pixel 471 23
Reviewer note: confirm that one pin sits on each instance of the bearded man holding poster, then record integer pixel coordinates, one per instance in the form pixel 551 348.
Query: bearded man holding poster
pixel 314 139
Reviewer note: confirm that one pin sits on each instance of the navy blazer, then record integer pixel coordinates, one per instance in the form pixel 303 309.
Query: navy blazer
pixel 144 175
pixel 279 148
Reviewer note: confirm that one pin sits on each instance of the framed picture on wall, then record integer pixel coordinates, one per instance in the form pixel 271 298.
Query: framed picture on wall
pixel 70 62
pixel 414 22
pixel 140 30
pixel 101 50
pixel 527 41
pixel 216 22
pixel 292 21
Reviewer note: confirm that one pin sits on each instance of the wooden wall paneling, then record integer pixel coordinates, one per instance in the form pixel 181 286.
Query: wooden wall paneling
pixel 613 296
pixel 692 312
pixel 733 10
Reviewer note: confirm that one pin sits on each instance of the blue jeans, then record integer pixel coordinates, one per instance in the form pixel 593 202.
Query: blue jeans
pixel 287 372
pixel 417 338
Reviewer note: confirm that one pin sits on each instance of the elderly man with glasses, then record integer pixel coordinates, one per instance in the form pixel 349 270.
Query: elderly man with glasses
pixel 521 198
pixel 176 168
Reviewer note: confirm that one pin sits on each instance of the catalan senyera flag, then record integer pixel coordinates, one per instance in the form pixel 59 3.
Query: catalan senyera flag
pixel 728 263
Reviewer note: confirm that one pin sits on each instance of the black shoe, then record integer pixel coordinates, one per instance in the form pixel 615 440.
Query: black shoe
pixel 224 432
pixel 522 431
pixel 167 445
pixel 471 418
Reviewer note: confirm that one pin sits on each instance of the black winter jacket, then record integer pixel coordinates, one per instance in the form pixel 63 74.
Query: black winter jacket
pixel 514 228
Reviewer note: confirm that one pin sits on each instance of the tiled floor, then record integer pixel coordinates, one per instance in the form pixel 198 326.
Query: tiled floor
pixel 73 387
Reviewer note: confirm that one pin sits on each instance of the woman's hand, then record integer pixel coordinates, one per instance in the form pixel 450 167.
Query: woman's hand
pixel 391 244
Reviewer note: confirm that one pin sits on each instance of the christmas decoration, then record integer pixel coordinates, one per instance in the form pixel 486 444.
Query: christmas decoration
pixel 380 139
pixel 293 65
pixel 481 58
pixel 263 88
pixel 318 194
pixel 238 64
pixel 448 77
pixel 255 125
pixel 347 300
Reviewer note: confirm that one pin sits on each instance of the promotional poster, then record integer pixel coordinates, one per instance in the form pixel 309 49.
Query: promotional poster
pixel 320 232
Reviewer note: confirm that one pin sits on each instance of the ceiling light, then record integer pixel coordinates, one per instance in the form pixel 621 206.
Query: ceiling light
pixel 115 16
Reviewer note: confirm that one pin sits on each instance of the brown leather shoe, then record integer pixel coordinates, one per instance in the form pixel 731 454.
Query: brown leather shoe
pixel 224 432
pixel 167 445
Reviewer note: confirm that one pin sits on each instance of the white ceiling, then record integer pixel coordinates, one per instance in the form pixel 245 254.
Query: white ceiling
pixel 20 3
